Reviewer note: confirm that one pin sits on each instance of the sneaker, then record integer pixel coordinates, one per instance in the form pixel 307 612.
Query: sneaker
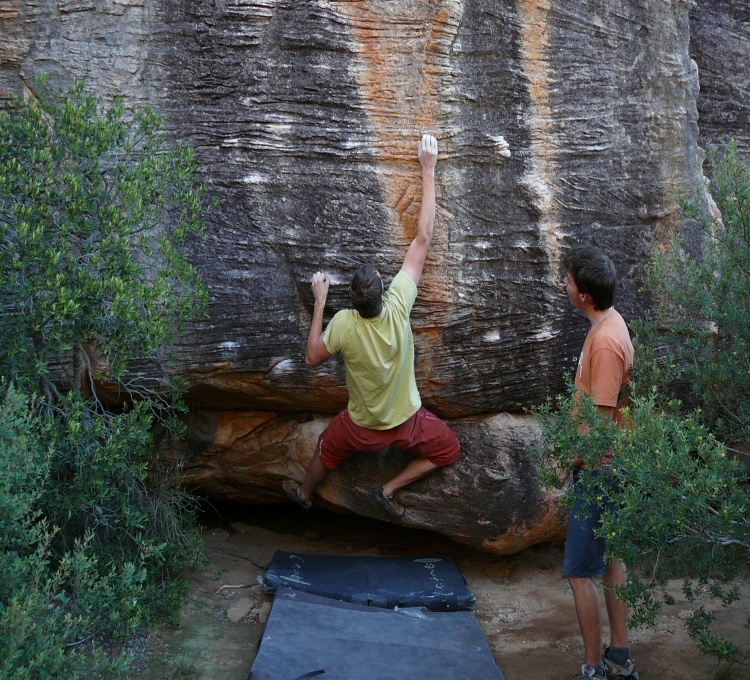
pixel 388 503
pixel 291 491
pixel 615 671
pixel 589 673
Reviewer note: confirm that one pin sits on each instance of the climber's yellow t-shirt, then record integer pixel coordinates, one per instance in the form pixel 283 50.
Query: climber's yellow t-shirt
pixel 379 358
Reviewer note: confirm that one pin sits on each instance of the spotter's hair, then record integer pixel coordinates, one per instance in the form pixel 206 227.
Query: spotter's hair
pixel 594 273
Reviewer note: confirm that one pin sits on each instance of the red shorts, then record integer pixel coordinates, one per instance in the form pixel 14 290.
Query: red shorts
pixel 423 435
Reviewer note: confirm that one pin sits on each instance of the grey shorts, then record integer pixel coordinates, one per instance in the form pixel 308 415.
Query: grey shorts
pixel 584 552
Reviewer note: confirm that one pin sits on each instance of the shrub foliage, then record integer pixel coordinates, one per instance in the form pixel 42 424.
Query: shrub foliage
pixel 97 212
pixel 696 342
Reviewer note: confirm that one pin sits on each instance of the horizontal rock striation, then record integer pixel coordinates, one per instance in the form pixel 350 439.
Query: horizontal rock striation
pixel 558 121
pixel 720 46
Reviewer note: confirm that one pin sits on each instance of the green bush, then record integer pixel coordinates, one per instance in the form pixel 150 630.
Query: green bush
pixel 108 488
pixel 695 344
pixel 42 611
pixel 97 212
pixel 682 502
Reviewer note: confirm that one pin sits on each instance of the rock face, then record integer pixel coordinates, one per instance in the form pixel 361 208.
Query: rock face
pixel 720 45
pixel 305 116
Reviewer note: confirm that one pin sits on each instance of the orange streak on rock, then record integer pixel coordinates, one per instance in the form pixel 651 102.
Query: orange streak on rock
pixel 405 64
pixel 533 14
pixel 404 50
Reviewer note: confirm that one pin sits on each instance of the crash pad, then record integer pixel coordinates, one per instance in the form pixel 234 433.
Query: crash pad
pixel 309 636
pixel 431 582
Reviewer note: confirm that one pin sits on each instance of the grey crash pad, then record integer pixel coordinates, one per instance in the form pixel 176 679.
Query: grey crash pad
pixel 431 582
pixel 308 636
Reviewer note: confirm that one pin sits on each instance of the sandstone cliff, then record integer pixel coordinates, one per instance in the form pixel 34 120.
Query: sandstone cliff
pixel 305 116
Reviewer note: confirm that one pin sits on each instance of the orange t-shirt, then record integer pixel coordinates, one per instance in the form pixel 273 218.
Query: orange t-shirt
pixel 604 365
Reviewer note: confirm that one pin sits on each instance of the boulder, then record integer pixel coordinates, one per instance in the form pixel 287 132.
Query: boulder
pixel 489 499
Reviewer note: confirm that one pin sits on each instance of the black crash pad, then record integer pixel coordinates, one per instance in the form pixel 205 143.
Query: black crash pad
pixel 308 636
pixel 431 582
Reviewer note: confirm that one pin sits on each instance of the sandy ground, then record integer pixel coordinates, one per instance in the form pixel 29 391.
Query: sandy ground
pixel 523 604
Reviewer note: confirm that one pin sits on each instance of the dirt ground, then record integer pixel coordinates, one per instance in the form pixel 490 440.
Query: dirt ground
pixel 523 604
